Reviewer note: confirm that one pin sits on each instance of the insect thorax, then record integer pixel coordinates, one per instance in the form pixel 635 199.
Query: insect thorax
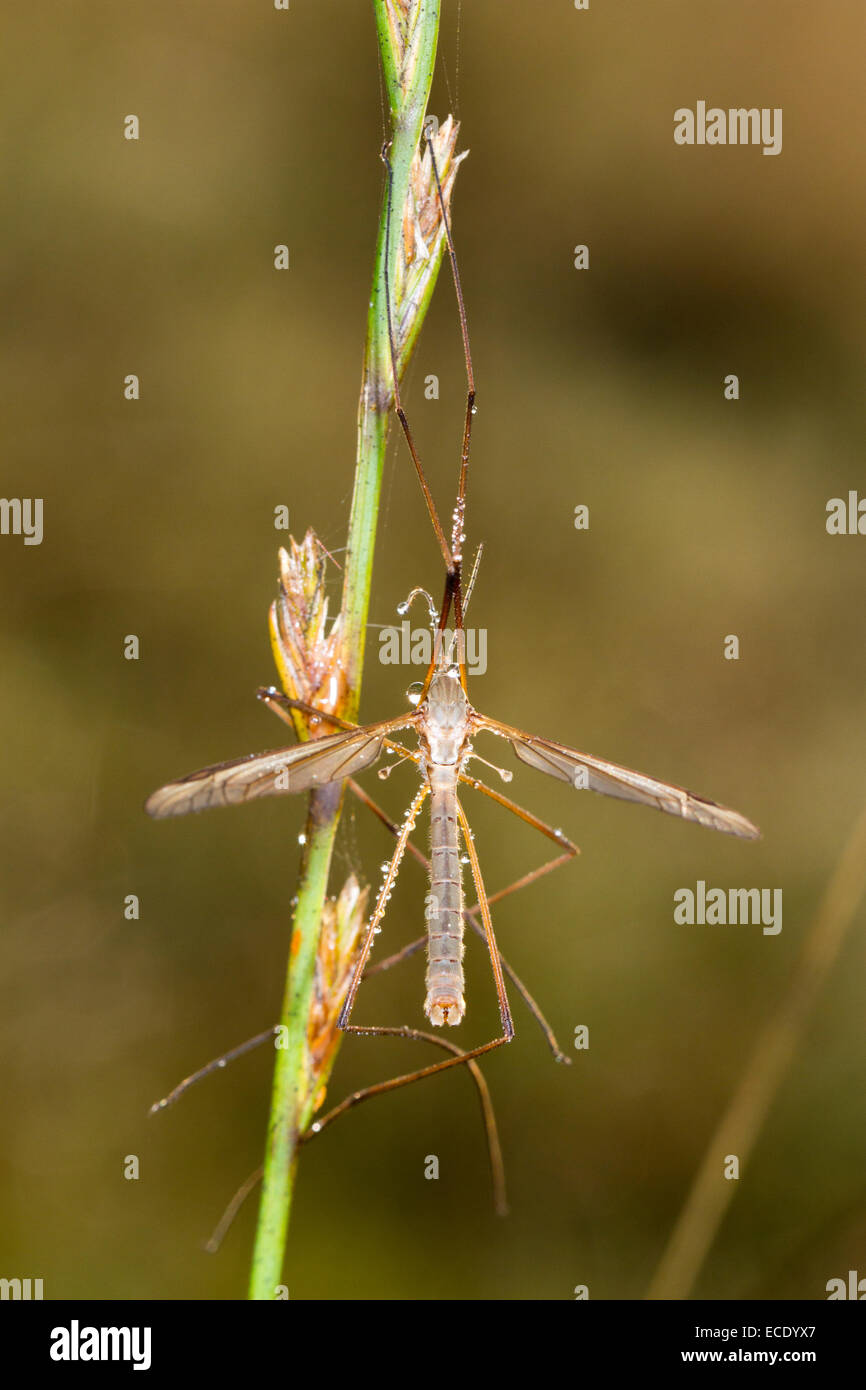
pixel 446 719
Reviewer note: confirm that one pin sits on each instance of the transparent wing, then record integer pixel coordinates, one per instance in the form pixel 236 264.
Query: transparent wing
pixel 583 770
pixel 281 772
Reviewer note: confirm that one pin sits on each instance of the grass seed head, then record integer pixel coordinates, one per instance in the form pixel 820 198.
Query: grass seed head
pixel 307 647
pixel 339 946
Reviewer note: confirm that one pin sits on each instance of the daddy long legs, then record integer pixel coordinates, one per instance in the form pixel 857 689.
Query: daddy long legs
pixel 445 725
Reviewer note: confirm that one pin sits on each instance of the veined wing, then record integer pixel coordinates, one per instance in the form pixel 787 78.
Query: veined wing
pixel 583 770
pixel 277 773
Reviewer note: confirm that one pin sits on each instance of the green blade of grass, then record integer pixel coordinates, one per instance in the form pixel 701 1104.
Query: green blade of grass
pixel 408 32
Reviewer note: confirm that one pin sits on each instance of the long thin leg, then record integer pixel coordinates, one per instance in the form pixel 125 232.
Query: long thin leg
pixel 371 1031
pixel 460 509
pixel 571 850
pixel 458 530
pixel 473 576
pixel 281 704
pixel 217 1064
pixel 556 835
pixel 451 555
pixel 504 1010
pixel 398 404
pixel 381 903
pixel 413 1034
pixel 494 1148
pixel 452 590
pixel 218 1234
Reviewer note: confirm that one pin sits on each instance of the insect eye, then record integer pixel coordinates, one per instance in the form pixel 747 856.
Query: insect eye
pixel 413 694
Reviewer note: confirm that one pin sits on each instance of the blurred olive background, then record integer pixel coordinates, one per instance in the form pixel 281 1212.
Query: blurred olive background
pixel 602 387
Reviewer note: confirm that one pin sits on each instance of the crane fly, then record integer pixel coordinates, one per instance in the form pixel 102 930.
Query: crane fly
pixel 445 725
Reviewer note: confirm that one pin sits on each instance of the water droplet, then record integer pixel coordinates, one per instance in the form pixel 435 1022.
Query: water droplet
pixel 302 839
pixel 403 607
pixel 315 1127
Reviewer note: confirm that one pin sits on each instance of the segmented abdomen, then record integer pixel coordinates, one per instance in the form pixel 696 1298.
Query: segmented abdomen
pixel 444 1002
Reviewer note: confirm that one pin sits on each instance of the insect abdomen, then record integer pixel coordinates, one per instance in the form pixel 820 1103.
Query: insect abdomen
pixel 444 1002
